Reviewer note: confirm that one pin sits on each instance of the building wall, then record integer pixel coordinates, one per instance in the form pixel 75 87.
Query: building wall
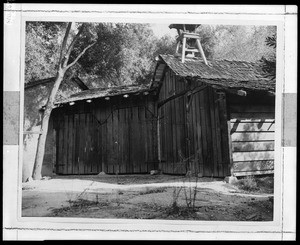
pixel 252 120
pixel 193 128
pixel 115 136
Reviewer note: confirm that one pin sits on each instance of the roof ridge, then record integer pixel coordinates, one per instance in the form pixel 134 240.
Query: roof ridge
pixel 210 60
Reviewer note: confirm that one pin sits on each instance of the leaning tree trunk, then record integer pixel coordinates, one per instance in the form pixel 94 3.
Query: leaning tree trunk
pixel 37 169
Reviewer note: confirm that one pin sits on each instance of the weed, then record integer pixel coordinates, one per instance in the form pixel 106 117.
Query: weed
pixel 248 184
pixel 153 190
pixel 79 205
pixel 190 192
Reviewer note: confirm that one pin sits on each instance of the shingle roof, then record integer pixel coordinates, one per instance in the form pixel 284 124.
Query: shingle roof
pixel 227 73
pixel 105 92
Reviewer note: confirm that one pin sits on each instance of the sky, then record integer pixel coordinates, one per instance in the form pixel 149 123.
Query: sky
pixel 163 29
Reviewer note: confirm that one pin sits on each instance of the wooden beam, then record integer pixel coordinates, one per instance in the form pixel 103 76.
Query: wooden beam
pixel 80 83
pixel 183 49
pixel 197 89
pixel 201 51
pixel 172 97
pixel 32 132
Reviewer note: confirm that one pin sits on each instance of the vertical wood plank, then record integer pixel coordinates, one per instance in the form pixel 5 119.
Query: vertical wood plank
pixel 70 143
pixel 65 145
pixel 169 139
pixel 225 134
pixel 162 137
pixel 135 140
pixel 183 129
pixel 146 140
pixel 110 143
pixel 195 160
pixel 128 139
pixel 209 133
pixel 104 141
pixel 175 133
pixel 115 141
pixel 88 163
pixel 121 140
pixel 199 134
pixel 204 132
pixel 143 160
pixel 81 140
pixel 94 138
pixel 77 146
pixel 59 146
pixel 218 133
pixel 214 136
pixel 95 150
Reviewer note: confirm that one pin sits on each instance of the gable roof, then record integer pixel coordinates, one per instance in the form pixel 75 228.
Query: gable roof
pixel 232 74
pixel 104 92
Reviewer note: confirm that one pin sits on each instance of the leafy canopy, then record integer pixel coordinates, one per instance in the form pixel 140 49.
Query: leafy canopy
pixel 124 53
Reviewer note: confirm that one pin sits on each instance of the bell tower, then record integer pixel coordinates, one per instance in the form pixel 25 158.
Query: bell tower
pixel 189 41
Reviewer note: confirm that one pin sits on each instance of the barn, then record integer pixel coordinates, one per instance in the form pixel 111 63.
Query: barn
pixel 213 118
pixel 216 119
pixel 111 130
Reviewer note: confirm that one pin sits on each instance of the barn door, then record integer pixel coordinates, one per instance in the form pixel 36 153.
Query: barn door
pixel 207 134
pixel 77 145
pixel 172 136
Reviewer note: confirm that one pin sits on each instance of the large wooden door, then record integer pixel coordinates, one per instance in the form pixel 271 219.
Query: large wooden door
pixel 194 134
pixel 78 149
pixel 112 140
pixel 207 133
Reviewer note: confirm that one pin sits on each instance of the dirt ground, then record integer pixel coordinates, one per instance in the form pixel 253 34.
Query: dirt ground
pixel 145 197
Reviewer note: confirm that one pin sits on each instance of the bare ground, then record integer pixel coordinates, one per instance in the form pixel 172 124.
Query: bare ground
pixel 144 197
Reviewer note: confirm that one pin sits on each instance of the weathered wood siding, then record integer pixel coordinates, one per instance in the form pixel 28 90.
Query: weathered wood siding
pixel 193 128
pixel 115 136
pixel 252 134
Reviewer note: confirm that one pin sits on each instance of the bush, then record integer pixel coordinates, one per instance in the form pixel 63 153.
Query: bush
pixel 248 184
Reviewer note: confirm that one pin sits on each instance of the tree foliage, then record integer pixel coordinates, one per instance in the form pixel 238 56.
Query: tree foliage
pixel 42 49
pixel 269 64
pixel 124 53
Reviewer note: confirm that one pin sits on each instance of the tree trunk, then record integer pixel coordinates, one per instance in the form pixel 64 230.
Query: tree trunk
pixel 37 170
pixel 38 163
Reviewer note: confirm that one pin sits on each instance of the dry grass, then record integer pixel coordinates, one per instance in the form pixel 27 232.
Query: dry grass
pixel 258 184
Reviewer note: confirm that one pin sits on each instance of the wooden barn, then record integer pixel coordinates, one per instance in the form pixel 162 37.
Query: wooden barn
pixel 215 119
pixel 112 130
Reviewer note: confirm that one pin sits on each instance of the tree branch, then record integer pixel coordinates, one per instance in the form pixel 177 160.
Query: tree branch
pixel 67 56
pixel 64 43
pixel 79 56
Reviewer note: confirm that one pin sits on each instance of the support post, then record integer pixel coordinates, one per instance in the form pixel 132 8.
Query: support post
pixel 201 51
pixel 230 149
pixel 183 49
